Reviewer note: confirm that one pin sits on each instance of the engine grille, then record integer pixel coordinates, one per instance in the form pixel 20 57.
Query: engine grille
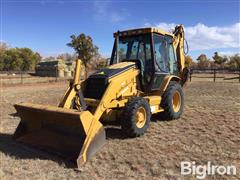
pixel 95 86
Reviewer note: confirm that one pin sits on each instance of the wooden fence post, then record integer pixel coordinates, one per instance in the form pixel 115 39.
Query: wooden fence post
pixel 214 76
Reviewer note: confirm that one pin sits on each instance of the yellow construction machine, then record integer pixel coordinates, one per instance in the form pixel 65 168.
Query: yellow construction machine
pixel 145 76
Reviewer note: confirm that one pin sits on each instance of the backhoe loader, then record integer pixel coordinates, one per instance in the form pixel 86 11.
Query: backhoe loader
pixel 145 76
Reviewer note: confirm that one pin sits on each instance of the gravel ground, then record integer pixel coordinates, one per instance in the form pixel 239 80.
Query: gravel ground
pixel 209 130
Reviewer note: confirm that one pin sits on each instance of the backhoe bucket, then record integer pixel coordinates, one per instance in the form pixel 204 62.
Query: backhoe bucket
pixel 67 132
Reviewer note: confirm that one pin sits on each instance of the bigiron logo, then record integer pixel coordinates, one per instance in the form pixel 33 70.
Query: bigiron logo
pixel 202 171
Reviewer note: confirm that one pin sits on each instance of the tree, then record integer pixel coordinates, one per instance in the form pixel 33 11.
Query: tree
pixel 194 64
pixel 1 63
pixel 85 49
pixel 203 61
pixel 29 58
pixel 188 61
pixel 3 48
pixel 219 59
pixel 202 58
pixel 19 59
pixel 98 62
pixel 49 58
pixel 204 64
pixel 67 57
pixel 234 62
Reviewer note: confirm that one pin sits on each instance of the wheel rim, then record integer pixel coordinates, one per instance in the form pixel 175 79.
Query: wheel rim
pixel 176 101
pixel 140 117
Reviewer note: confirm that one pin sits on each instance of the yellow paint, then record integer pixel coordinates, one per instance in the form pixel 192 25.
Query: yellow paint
pixel 120 89
pixel 166 82
pixel 143 31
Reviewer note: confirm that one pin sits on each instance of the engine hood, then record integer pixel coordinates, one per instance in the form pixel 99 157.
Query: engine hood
pixel 115 69
pixel 97 83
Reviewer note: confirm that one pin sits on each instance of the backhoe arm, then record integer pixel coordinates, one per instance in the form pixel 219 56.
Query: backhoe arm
pixel 179 46
pixel 179 49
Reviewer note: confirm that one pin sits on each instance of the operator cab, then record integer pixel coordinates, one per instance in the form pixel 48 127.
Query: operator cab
pixel 152 49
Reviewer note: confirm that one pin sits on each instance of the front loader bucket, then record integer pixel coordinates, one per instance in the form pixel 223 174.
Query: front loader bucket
pixel 72 134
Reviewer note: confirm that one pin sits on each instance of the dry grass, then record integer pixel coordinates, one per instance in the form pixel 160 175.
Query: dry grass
pixel 209 130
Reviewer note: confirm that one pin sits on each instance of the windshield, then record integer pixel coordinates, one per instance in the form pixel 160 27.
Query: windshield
pixel 133 47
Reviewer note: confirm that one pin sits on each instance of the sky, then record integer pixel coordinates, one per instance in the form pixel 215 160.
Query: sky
pixel 46 25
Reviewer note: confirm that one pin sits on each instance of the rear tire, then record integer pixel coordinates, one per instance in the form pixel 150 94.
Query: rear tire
pixel 172 101
pixel 136 117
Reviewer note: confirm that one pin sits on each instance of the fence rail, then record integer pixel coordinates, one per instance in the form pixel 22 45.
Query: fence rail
pixel 214 73
pixel 16 72
pixel 24 77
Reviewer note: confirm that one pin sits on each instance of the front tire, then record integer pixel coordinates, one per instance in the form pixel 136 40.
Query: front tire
pixel 136 117
pixel 172 101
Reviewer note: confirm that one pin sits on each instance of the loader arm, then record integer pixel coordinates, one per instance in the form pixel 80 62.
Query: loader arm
pixel 74 89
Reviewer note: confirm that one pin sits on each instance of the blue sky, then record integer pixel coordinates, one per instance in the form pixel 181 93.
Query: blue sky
pixel 45 26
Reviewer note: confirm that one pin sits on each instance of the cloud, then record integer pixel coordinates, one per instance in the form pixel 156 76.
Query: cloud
pixel 203 37
pixel 228 53
pixel 104 11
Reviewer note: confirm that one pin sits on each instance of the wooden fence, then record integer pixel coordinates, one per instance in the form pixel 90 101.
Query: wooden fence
pixel 214 74
pixel 23 77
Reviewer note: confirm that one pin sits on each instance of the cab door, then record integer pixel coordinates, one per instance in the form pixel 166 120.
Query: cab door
pixel 164 59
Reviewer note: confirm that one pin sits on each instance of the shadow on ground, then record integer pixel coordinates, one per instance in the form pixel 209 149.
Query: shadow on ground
pixel 19 150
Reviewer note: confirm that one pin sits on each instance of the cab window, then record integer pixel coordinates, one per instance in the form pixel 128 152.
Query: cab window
pixel 133 47
pixel 172 60
pixel 161 53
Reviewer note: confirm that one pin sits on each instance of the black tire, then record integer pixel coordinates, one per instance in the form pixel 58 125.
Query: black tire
pixel 167 102
pixel 128 123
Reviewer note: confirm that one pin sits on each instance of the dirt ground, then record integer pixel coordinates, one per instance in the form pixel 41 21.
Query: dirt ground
pixel 209 130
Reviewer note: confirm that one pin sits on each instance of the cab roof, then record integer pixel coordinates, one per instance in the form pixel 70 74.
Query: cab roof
pixel 146 30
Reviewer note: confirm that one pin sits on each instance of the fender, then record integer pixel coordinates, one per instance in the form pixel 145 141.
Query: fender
pixel 167 80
